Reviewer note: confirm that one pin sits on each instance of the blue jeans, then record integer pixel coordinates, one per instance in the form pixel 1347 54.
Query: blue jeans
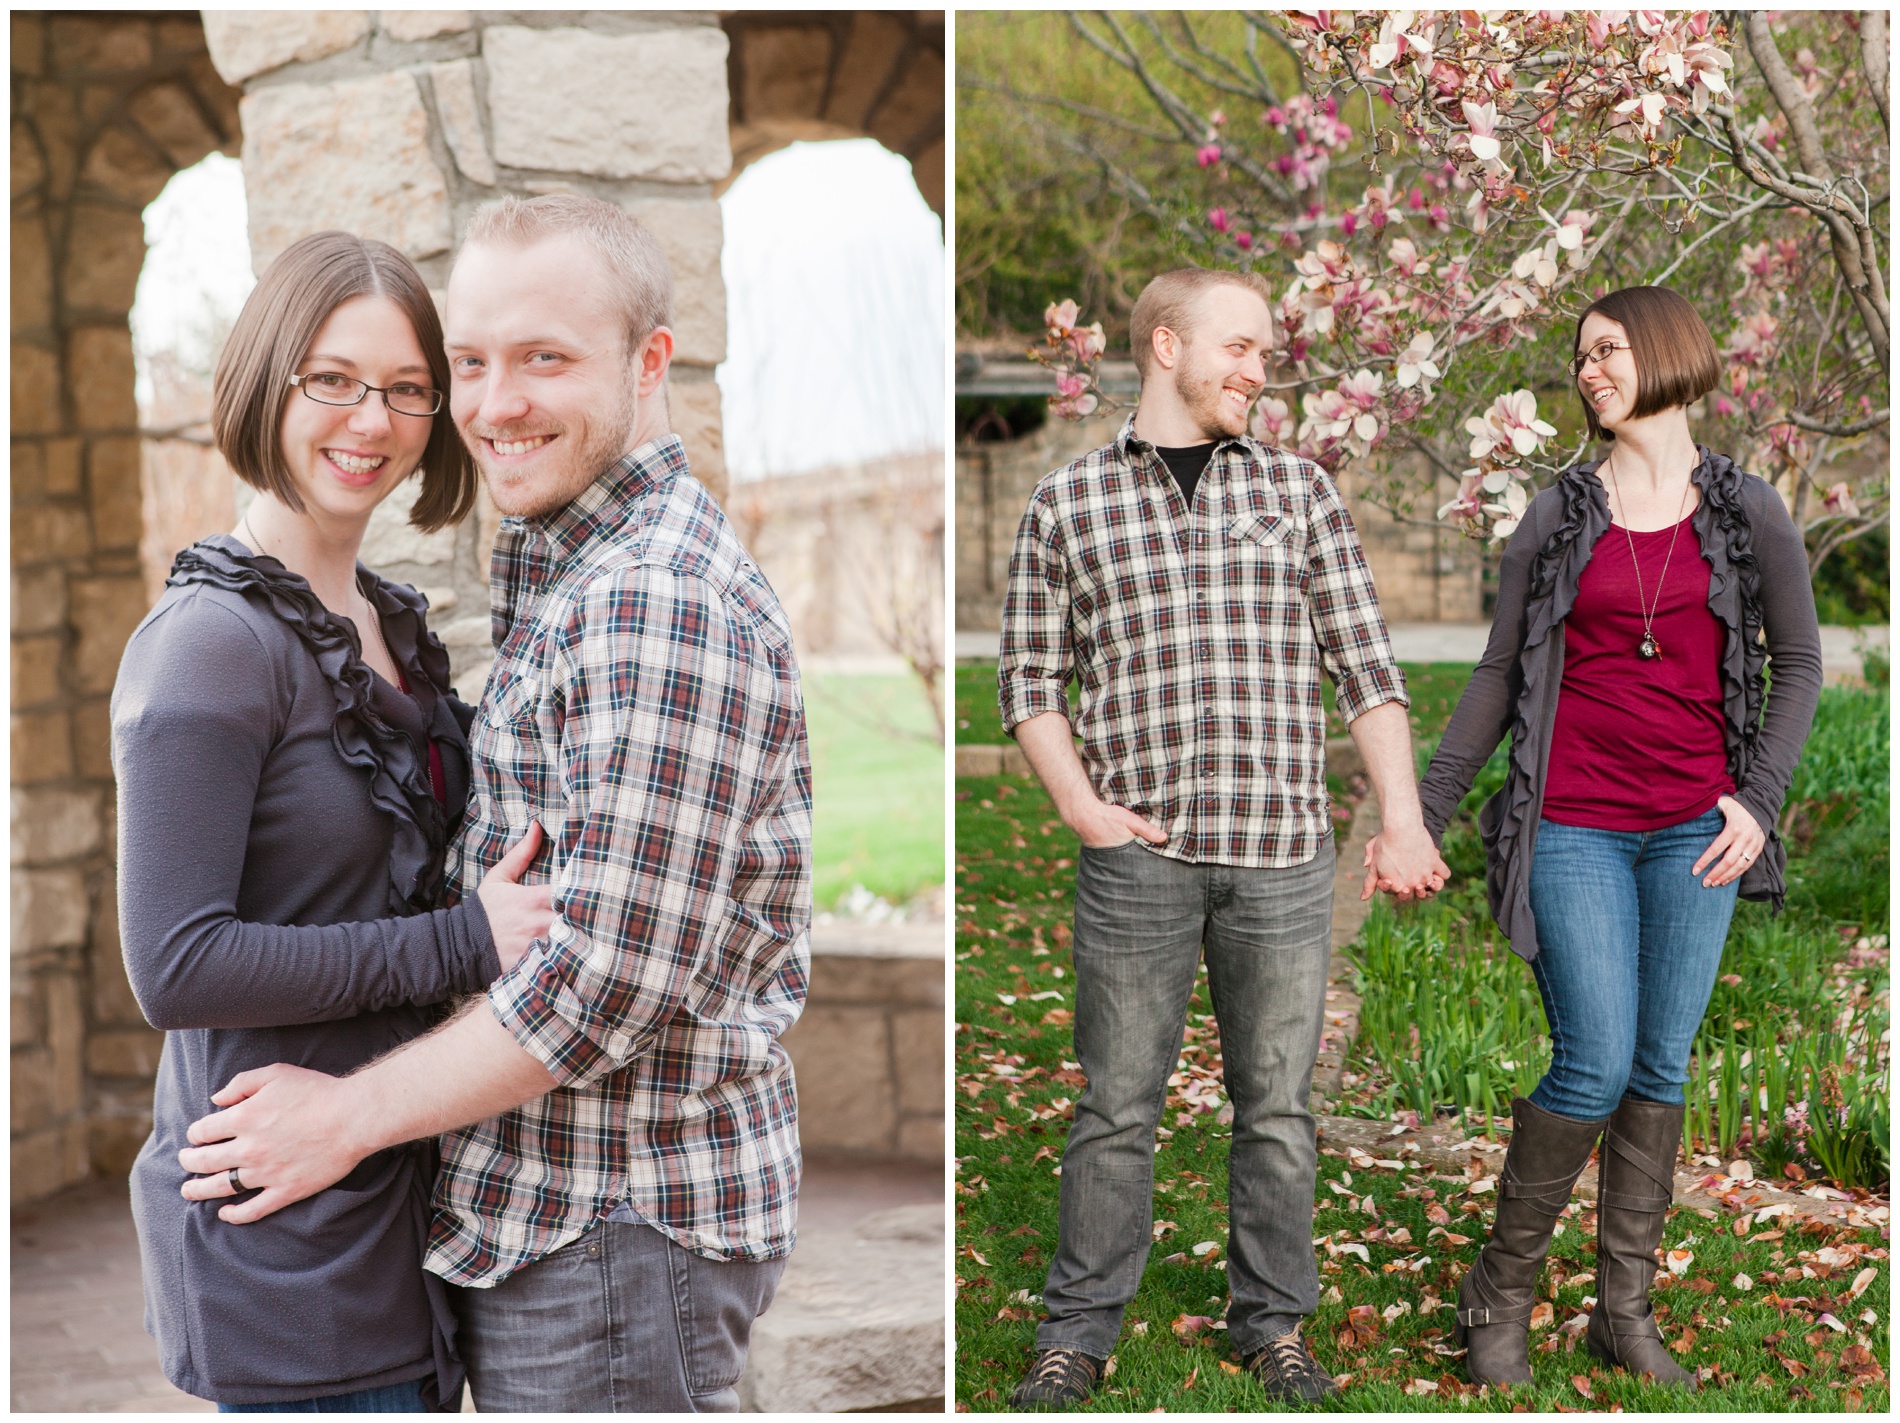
pixel 1142 924
pixel 390 1398
pixel 1629 944
pixel 621 1320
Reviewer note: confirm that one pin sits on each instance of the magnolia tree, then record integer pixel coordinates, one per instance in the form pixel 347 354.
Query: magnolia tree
pixel 1445 190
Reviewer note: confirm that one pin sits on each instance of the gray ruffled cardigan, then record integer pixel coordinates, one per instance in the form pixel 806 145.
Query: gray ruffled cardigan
pixel 280 876
pixel 1758 584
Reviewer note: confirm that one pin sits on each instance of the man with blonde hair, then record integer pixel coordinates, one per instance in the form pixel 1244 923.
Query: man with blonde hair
pixel 1196 583
pixel 620 1165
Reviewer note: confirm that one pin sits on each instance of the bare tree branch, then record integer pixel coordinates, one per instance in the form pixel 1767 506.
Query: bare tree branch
pixel 1803 421
pixel 1874 59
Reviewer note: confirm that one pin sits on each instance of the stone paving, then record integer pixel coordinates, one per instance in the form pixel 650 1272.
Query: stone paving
pixel 79 1344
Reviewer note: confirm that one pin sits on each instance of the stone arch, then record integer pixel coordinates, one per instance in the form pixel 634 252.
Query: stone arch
pixel 393 123
pixel 105 108
pixel 809 75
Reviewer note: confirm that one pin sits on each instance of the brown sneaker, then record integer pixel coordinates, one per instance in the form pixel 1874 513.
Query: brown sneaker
pixel 1058 1378
pixel 1288 1371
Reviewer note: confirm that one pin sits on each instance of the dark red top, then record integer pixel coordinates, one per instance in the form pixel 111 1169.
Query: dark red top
pixel 438 780
pixel 1638 745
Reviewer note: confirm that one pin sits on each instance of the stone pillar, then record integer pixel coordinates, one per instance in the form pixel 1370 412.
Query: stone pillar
pixel 106 106
pixel 398 124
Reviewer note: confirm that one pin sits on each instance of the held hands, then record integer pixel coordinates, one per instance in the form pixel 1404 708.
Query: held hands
pixel 1402 861
pixel 1102 826
pixel 289 1131
pixel 518 914
pixel 1738 846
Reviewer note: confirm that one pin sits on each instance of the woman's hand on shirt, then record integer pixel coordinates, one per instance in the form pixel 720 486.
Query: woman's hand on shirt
pixel 518 914
pixel 1735 849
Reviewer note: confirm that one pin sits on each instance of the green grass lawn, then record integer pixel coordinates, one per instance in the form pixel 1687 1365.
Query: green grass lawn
pixel 877 787
pixel 1396 1242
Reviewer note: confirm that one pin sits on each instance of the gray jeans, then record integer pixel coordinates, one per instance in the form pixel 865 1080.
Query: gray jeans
pixel 1141 921
pixel 620 1321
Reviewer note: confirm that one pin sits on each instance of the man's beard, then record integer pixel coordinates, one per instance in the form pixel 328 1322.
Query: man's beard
pixel 1202 397
pixel 557 484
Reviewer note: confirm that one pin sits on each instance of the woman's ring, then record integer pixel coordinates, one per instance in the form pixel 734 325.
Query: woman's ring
pixel 232 1177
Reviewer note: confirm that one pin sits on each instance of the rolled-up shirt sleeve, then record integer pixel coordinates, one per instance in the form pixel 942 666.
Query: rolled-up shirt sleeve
pixel 1354 647
pixel 675 729
pixel 1035 661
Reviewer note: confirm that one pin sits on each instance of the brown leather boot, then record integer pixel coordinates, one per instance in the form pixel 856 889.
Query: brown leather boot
pixel 1495 1298
pixel 1638 1182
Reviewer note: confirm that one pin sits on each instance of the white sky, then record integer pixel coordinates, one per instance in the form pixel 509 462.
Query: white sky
pixel 834 311
pixel 834 270
pixel 197 267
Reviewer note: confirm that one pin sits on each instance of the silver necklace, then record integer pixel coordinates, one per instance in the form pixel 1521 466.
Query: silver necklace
pixel 1649 649
pixel 373 621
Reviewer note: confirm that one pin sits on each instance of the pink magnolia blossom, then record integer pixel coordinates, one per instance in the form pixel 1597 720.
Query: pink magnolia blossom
pixel 1207 155
pixel 1217 219
pixel 1483 119
pixel 1073 399
pixel 1244 241
pixel 1839 500
pixel 1603 24
pixel 1060 318
pixel 1272 422
pixel 1415 362
pixel 1469 502
pixel 1510 425
pixel 1752 343
pixel 1088 342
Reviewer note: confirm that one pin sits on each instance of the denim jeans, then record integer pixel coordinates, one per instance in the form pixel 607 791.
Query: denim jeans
pixel 1141 921
pixel 620 1321
pixel 390 1398
pixel 1629 944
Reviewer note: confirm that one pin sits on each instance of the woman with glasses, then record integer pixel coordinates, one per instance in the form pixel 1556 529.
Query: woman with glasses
pixel 291 765
pixel 1647 769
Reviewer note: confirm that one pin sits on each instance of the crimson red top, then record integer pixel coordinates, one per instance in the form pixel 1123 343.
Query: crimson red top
pixel 438 779
pixel 1638 743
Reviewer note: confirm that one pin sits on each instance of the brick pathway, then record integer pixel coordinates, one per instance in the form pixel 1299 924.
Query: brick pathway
pixel 79 1341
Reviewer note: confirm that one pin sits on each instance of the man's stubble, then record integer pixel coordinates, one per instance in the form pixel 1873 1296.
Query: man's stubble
pixel 598 447
pixel 1200 396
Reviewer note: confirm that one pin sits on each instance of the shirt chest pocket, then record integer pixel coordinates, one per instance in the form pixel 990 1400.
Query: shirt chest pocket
pixel 1268 555
pixel 513 700
pixel 519 734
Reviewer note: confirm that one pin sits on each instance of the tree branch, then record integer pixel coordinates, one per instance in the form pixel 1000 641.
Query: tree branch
pixel 1803 421
pixel 1874 59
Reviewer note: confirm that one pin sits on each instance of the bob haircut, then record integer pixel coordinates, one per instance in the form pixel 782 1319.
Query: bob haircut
pixel 1676 360
pixel 1169 300
pixel 310 279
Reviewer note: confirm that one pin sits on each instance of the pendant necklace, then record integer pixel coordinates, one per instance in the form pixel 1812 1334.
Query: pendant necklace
pixel 1649 649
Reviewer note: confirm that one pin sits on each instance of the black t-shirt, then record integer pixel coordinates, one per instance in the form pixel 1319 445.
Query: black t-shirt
pixel 1186 464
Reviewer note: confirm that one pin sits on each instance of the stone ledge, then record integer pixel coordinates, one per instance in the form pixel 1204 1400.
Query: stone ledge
pixel 992 761
pixel 858 1321
pixel 857 938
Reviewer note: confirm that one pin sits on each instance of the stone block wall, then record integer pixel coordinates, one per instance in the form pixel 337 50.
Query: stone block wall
pixel 855 553
pixel 398 124
pixel 104 109
pixel 869 1048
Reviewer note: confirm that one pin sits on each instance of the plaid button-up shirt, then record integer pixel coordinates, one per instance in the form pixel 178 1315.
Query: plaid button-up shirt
pixel 1198 637
pixel 644 707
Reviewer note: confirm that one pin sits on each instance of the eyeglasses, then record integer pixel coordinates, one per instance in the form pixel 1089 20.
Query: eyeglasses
pixel 328 388
pixel 1595 356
